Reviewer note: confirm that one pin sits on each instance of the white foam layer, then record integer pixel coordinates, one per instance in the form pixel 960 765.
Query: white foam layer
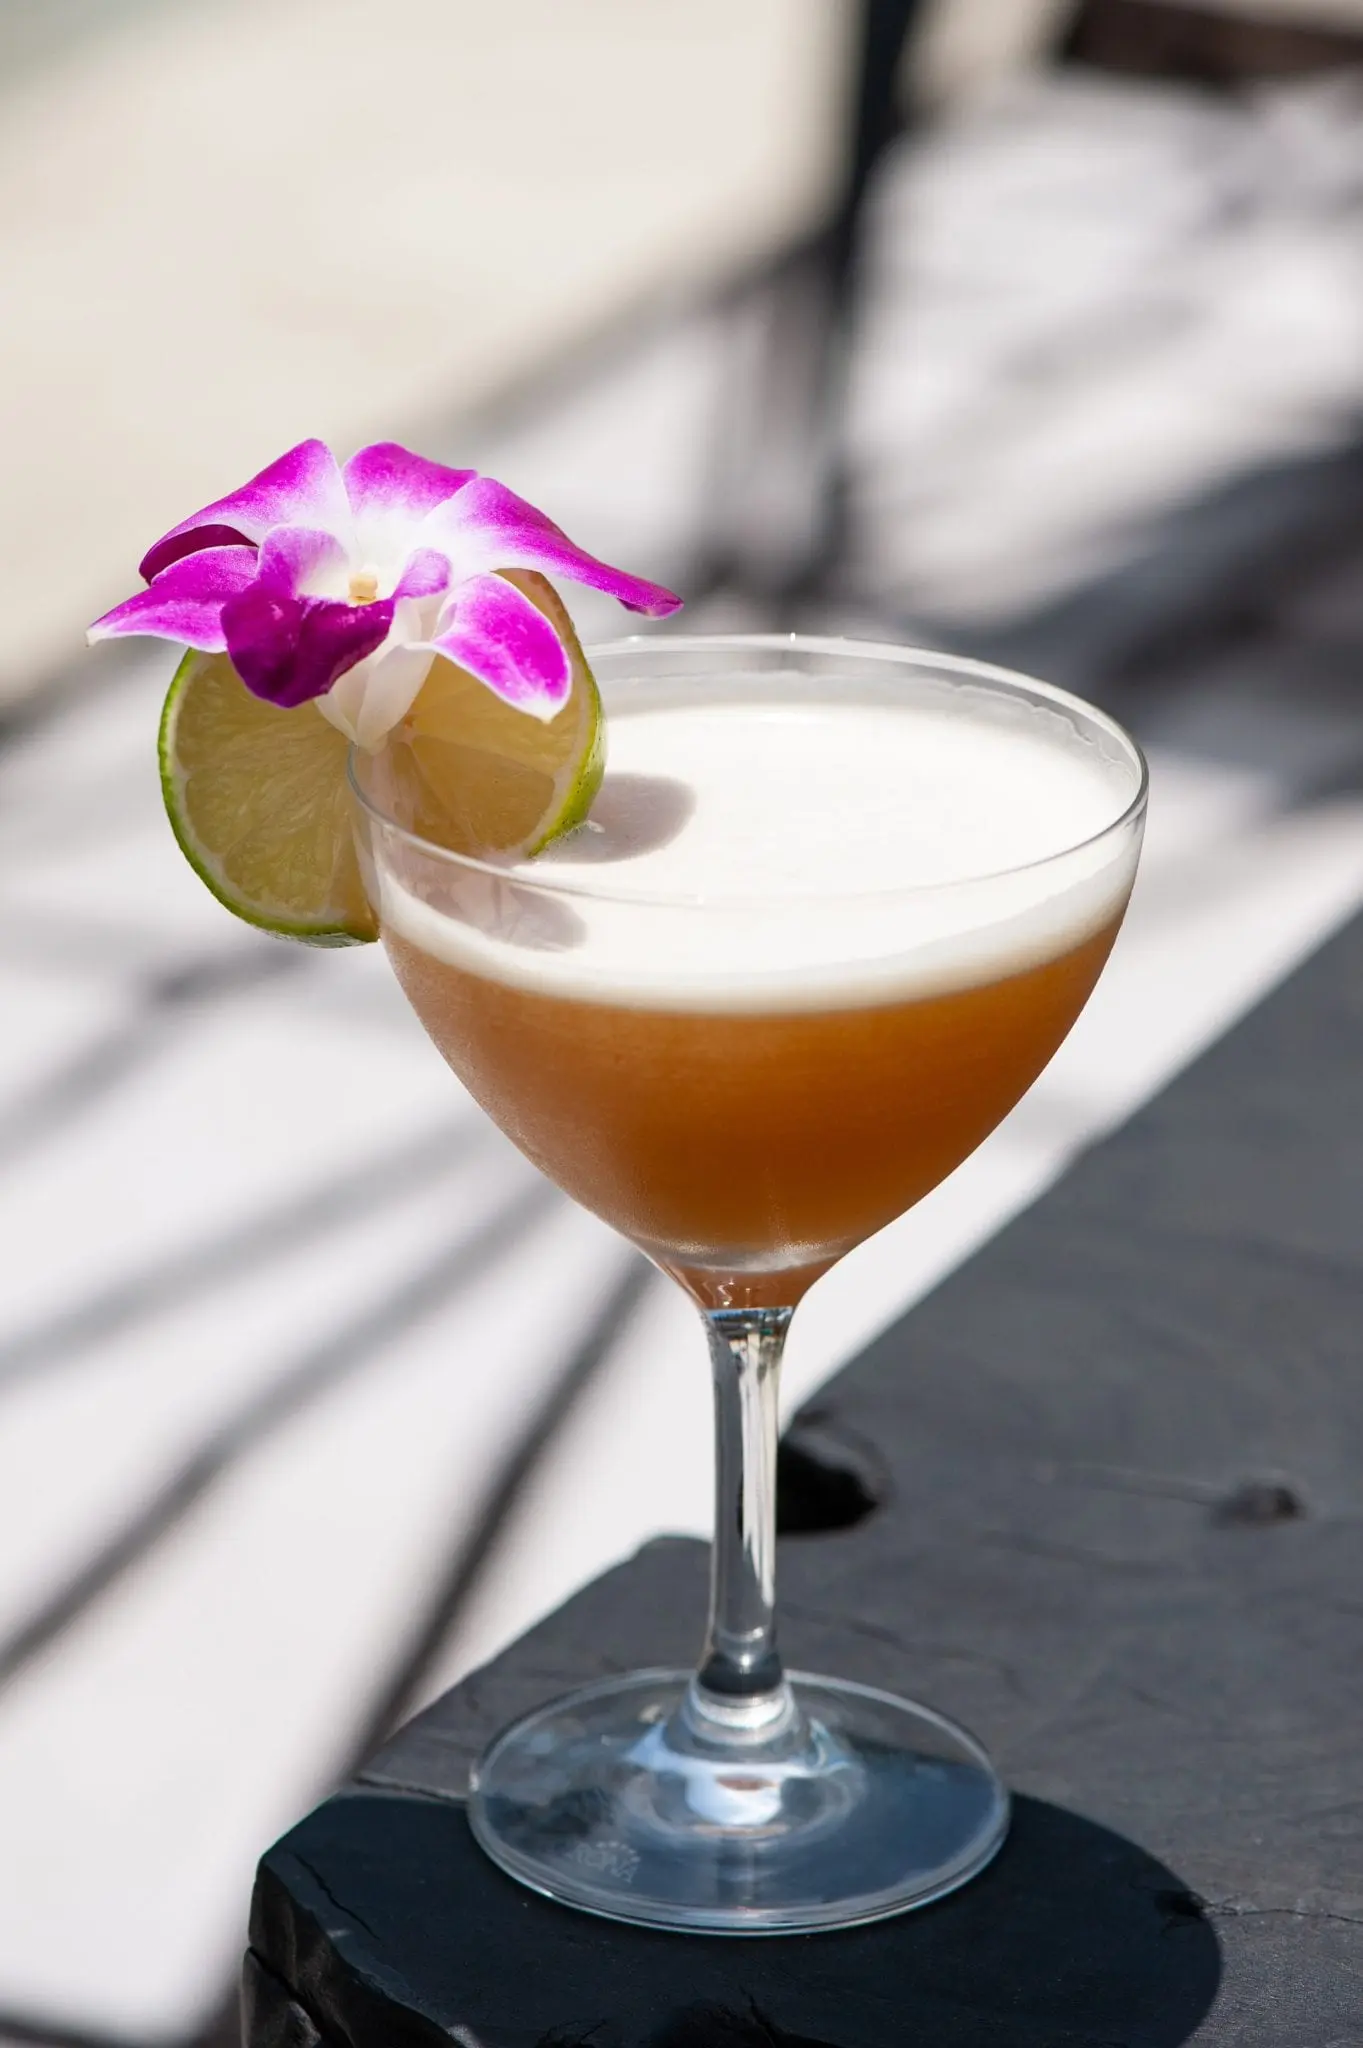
pixel 767 855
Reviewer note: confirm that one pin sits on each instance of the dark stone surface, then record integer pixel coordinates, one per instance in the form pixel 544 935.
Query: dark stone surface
pixel 270 2016
pixel 1116 1473
pixel 1087 1939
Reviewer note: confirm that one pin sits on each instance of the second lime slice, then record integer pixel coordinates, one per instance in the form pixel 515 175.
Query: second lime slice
pixel 473 774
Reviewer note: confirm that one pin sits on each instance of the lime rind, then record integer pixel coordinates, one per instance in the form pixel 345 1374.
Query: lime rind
pixel 583 787
pixel 578 802
pixel 327 930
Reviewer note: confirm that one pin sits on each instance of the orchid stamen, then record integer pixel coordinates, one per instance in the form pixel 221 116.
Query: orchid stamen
pixel 364 587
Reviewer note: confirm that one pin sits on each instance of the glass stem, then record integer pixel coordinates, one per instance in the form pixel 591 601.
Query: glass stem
pixel 740 1678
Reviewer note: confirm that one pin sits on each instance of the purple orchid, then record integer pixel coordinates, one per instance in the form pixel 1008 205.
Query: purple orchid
pixel 344 583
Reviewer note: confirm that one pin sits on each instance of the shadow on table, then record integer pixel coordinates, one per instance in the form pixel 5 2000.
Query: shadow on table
pixel 1075 1938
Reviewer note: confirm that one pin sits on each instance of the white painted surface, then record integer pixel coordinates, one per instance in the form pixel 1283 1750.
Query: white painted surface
pixel 229 224
pixel 1098 301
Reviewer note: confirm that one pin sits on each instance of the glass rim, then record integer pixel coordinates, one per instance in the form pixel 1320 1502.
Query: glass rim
pixel 521 873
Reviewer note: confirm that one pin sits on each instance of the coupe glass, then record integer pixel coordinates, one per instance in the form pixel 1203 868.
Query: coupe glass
pixel 747 1078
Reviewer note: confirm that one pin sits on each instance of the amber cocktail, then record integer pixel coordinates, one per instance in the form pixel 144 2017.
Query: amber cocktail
pixel 834 910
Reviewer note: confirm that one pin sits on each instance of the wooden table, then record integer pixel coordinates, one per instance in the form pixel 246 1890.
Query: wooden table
pixel 1117 1460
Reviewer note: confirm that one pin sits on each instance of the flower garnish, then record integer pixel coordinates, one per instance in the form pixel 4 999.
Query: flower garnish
pixel 343 584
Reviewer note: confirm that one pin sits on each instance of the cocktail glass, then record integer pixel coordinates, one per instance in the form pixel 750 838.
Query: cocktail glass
pixel 889 881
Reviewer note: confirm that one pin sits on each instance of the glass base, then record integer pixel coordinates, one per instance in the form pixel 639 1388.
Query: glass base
pixel 829 1804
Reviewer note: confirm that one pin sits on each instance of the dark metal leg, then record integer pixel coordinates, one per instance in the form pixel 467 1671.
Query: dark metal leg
pixel 781 492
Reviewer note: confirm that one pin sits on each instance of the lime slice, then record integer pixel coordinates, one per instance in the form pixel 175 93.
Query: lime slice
pixel 257 798
pixel 259 802
pixel 468 771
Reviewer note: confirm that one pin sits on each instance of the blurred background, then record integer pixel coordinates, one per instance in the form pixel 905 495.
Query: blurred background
pixel 1026 327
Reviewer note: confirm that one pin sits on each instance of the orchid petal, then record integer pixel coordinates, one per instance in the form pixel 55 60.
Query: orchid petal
pixel 487 527
pixel 303 487
pixel 302 561
pixel 391 491
pixel 289 649
pixel 392 685
pixel 185 602
pixel 426 573
pixel 370 699
pixel 385 478
pixel 493 630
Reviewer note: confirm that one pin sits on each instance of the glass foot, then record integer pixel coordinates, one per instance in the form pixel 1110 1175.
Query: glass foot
pixel 830 1805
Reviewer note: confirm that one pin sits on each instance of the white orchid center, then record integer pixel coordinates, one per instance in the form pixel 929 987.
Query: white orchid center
pixel 364 586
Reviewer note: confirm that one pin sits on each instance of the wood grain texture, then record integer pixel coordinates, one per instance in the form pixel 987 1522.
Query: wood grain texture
pixel 1120 1463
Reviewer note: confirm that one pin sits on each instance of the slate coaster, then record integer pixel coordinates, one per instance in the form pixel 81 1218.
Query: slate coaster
pixel 1119 1461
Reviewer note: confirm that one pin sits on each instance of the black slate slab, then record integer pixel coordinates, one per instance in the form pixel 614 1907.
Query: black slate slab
pixel 1120 1465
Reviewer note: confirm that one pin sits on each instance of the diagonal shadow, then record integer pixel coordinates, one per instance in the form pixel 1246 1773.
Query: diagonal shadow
pixel 79 818
pixel 59 937
pixel 85 1080
pixel 276 1233
pixel 470 1557
pixel 1203 572
pixel 465 1569
pixel 68 684
pixel 318 1372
